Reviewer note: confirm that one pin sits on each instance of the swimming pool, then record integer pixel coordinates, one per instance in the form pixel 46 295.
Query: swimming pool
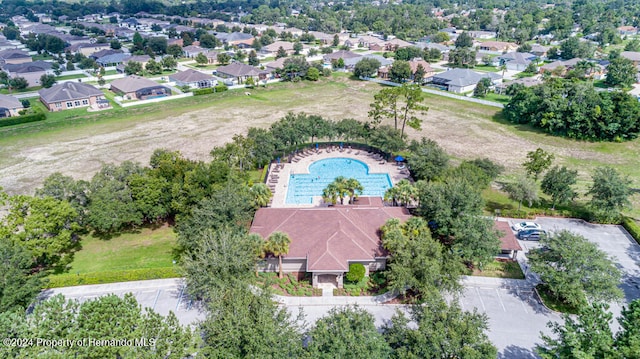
pixel 303 187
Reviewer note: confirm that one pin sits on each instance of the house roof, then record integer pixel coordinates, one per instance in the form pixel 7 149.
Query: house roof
pixel 329 237
pixel 190 75
pixel 137 58
pixel 193 49
pixel 234 36
pixel 113 58
pixel 237 69
pixel 508 240
pixel 499 45
pixel 98 54
pixel 631 55
pixel 288 46
pixel 68 91
pixel 425 65
pixel 353 61
pixel 518 57
pixel 341 54
pixel 9 102
pixel 462 77
pixel 35 66
pixel 132 83
pixel 13 54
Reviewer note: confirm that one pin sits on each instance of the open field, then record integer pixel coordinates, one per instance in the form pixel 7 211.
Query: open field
pixel 78 143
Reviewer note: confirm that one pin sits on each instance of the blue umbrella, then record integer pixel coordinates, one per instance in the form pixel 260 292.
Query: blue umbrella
pixel 399 158
pixel 316 146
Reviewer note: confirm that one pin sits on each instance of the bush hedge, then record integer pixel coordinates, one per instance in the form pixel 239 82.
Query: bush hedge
pixel 68 280
pixel 356 272
pixel 632 227
pixel 38 116
pixel 210 90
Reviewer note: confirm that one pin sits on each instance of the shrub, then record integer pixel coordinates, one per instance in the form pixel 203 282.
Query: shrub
pixel 356 272
pixel 69 280
pixel 38 116
pixel 632 227
pixel 221 88
pixel 205 91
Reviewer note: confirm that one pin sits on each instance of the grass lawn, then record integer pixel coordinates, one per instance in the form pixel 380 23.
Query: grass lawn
pixel 552 303
pixel 492 96
pixel 146 248
pixel 500 269
pixel 71 77
pixel 486 68
pixel 5 91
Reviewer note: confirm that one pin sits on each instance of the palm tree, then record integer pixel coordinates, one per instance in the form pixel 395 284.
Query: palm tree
pixel 278 245
pixel 261 194
pixel 330 193
pixel 406 192
pixel 259 247
pixel 391 195
pixel 355 189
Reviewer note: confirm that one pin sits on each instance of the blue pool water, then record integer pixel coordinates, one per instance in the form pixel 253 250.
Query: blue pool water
pixel 303 187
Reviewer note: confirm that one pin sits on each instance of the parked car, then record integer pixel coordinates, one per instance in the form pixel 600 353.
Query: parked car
pixel 531 234
pixel 525 225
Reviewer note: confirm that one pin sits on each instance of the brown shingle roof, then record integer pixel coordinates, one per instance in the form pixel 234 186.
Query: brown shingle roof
pixel 508 240
pixel 132 83
pixel 190 75
pixel 329 237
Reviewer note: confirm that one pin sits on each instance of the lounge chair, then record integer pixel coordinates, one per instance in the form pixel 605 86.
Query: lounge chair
pixel 402 167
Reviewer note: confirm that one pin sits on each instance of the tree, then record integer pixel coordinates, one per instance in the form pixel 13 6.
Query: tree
pixel 294 68
pixel 538 162
pixel 47 80
pixel 46 227
pixel 387 139
pixel 347 332
pixel 249 324
pixel 573 47
pixel 627 341
pixel 557 183
pixel 109 318
pixel 208 41
pixel 440 37
pixel 464 40
pixel 262 194
pixel 223 58
pixel 402 104
pixel 336 40
pixel 138 42
pixel 153 67
pixel 482 87
pixel 253 59
pixel 278 245
pixel 417 262
pixel 201 59
pixel 133 68
pixel 462 57
pixel 169 62
pixel 175 51
pixel 297 47
pixel 475 240
pixel 18 285
pixel 115 44
pixel 281 53
pixel 609 193
pixel 18 83
pixel 313 74
pixel 366 67
pixel 523 189
pixel 427 160
pixel 403 193
pixel 56 68
pixel 65 188
pixel 443 331
pixel 588 336
pixel 400 71
pixel 621 72
pixel 432 55
pixel 239 55
pixel 562 262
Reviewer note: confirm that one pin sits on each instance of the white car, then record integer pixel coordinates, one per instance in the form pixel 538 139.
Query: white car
pixel 525 225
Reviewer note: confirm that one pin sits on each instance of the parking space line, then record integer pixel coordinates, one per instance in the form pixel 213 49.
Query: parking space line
pixel 481 301
pixel 521 301
pixel 500 299
pixel 156 300
pixel 179 298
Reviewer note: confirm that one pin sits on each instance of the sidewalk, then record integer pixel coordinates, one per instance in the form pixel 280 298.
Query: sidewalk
pixel 333 300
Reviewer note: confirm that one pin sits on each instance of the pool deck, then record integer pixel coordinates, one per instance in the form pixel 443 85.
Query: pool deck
pixel 278 178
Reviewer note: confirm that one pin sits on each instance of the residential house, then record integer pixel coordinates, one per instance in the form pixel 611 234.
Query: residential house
pixel 98 54
pixel 142 59
pixel 341 54
pixel 88 49
pixel 481 35
pixel 192 51
pixel 383 72
pixel 212 57
pixel 193 79
pixel 275 65
pixel 239 39
pixel 138 88
pixel 351 62
pixel 497 46
pixel 461 80
pixel 394 44
pixel 516 61
pixel 324 241
pixel 31 71
pixel 632 55
pixel 14 56
pixel 272 49
pixel 627 30
pixel 562 67
pixel 322 37
pixel 240 72
pixel 371 42
pixel 9 106
pixel 112 59
pixel 539 50
pixel 67 95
